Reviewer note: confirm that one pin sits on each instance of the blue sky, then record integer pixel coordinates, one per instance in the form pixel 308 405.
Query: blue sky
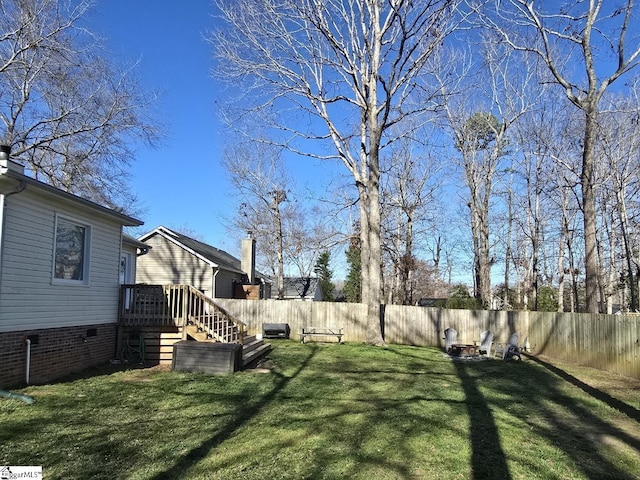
pixel 182 183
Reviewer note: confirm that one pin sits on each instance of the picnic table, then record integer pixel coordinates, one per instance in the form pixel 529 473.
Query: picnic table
pixel 321 331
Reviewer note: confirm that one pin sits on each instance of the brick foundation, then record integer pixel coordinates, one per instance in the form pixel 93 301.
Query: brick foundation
pixel 55 352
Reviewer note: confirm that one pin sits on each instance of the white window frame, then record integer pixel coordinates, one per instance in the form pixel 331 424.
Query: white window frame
pixel 86 251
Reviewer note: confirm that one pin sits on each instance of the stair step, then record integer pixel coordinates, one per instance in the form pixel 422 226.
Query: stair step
pixel 248 347
pixel 255 354
pixel 196 334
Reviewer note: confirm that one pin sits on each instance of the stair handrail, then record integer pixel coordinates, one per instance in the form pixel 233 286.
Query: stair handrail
pixel 171 305
pixel 239 324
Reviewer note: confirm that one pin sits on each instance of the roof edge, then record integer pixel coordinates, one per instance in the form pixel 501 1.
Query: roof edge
pixel 170 236
pixel 125 220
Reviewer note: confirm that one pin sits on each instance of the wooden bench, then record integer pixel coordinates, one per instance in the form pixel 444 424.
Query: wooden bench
pixel 321 332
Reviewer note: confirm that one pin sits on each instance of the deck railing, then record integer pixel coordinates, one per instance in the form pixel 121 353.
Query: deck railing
pixel 177 306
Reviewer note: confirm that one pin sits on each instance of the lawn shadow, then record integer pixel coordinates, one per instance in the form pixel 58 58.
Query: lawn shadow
pixel 629 410
pixel 565 420
pixel 246 411
pixel 539 397
pixel 583 433
pixel 488 459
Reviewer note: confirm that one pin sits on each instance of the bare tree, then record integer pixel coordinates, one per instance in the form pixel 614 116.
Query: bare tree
pixel 67 112
pixel 479 117
pixel 592 36
pixel 619 147
pixel 259 179
pixel 311 231
pixel 290 232
pixel 337 71
pixel 540 134
pixel 409 191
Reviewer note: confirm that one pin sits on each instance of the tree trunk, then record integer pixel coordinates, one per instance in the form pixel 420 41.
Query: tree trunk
pixel 589 214
pixel 407 264
pixel 575 300
pixel 535 252
pixel 628 253
pixel 375 297
pixel 365 251
pixel 564 233
pixel 507 253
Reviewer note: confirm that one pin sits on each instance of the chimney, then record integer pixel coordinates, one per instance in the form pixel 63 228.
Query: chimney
pixel 248 260
pixel 6 163
pixel 5 152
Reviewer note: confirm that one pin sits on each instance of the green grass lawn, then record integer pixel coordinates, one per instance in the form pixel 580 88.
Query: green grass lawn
pixel 333 411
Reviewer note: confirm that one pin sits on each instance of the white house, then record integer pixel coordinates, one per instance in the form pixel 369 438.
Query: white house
pixel 62 259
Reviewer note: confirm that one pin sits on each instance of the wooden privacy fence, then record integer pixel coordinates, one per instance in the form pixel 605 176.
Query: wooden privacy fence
pixel 608 342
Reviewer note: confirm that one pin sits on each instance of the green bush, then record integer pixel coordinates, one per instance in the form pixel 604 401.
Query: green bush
pixel 547 299
pixel 460 299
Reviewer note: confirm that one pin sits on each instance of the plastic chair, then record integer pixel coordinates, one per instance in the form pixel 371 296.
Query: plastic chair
pixel 486 340
pixel 510 349
pixel 450 336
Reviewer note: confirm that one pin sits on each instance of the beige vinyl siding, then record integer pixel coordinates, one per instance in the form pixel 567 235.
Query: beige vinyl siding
pixel 28 298
pixel 168 263
pixel 224 283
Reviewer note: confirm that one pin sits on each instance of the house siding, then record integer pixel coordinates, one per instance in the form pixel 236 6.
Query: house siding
pixel 28 298
pixel 168 263
pixel 224 283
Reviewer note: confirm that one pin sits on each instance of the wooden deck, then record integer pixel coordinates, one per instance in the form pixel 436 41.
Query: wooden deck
pixel 163 315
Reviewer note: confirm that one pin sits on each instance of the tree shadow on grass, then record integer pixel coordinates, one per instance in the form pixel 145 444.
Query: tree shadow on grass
pixel 537 402
pixel 565 420
pixel 246 412
pixel 583 433
pixel 488 460
pixel 629 410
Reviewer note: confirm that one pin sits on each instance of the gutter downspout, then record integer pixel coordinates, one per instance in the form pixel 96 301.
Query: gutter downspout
pixel 5 158
pixel 28 360
pixel 216 270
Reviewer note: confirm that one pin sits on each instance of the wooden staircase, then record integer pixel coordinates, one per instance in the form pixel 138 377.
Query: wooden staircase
pixel 195 315
pixel 253 350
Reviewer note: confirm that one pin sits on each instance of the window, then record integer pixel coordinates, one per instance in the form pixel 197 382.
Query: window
pixel 71 262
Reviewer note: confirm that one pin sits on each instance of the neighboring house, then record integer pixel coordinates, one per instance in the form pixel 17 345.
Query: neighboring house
pixel 432 302
pixel 62 259
pixel 178 259
pixel 301 288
